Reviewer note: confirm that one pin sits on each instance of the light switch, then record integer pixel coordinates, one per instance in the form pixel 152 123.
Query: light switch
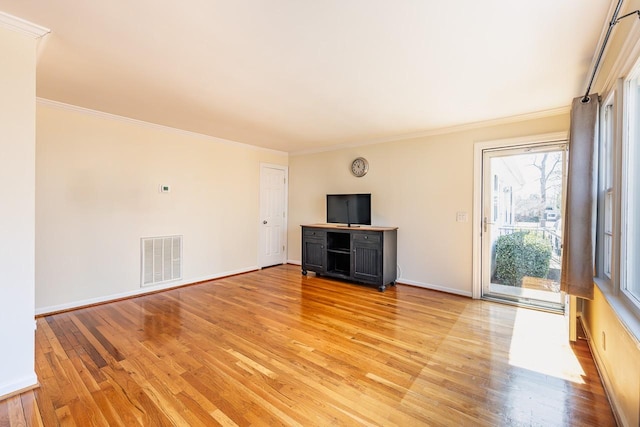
pixel 165 189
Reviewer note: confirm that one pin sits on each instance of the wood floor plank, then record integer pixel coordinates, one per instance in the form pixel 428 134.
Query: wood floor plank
pixel 273 347
pixel 129 397
pixel 126 412
pixel 65 419
pixel 4 414
pixel 110 414
pixel 213 390
pixel 16 411
pixel 31 410
pixel 44 406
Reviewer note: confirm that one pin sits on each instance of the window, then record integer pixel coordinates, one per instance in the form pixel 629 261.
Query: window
pixel 608 233
pixel 496 185
pixel 606 186
pixel 630 195
pixel 619 191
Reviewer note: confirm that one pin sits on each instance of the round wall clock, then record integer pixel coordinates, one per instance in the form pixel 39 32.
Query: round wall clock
pixel 359 167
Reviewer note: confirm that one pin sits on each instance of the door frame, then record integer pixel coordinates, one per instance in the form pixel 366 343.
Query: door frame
pixel 478 148
pixel 285 222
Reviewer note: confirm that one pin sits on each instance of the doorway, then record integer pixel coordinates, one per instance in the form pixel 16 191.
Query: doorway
pixel 273 215
pixel 521 224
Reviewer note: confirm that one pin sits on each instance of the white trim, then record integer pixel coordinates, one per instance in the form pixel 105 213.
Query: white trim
pixel 615 403
pixel 544 138
pixel 285 223
pixel 609 99
pixel 441 131
pixel 403 281
pixel 446 289
pixel 129 120
pixel 618 94
pixel 21 26
pixel 25 383
pixel 628 55
pixel 630 102
pixel 139 292
pixel 478 147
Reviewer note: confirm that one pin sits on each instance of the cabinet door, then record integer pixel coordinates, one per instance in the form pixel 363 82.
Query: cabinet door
pixel 367 257
pixel 313 250
pixel 313 255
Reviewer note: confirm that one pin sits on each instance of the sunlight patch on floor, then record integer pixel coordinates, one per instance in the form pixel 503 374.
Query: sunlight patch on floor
pixel 540 344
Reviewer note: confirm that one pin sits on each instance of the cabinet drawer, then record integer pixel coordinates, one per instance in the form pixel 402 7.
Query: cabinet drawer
pixel 314 233
pixel 366 237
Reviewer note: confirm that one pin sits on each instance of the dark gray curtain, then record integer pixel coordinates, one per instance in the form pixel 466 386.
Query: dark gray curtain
pixel 578 253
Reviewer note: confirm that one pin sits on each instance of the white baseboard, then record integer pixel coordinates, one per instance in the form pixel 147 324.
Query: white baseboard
pixel 138 292
pixel 434 287
pixel 415 283
pixel 17 386
pixel 606 379
pixel 150 289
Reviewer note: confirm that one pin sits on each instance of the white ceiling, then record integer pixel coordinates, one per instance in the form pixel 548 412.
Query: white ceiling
pixel 298 75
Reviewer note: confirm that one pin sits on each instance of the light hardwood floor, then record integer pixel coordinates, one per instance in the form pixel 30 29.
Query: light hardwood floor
pixel 276 348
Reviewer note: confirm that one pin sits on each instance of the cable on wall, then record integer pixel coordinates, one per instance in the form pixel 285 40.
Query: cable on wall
pixel 614 21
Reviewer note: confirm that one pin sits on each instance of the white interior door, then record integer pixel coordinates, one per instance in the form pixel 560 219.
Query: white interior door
pixel 273 215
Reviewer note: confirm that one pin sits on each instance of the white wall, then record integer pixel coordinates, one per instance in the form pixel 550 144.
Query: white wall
pixel 418 185
pixel 98 179
pixel 17 196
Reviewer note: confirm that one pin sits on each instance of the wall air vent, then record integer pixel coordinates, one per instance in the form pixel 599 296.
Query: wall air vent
pixel 161 259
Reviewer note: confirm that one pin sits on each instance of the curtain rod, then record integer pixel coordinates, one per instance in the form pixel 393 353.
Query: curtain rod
pixel 614 21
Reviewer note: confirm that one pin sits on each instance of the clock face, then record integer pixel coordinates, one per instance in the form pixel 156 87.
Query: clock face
pixel 359 167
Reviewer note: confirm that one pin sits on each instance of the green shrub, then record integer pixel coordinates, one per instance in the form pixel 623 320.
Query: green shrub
pixel 521 254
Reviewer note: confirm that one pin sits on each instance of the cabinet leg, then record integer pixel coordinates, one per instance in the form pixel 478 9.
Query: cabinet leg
pixel 304 272
pixel 392 284
pixel 381 288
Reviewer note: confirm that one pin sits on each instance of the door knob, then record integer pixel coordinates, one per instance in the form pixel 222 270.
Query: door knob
pixel 486 224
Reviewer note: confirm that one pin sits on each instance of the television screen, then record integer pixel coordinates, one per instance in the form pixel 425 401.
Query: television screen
pixel 349 209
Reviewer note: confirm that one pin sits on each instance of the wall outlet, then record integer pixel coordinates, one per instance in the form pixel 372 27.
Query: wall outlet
pixel 461 217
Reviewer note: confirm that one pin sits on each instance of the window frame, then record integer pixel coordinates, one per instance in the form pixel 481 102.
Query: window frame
pixel 607 190
pixel 630 139
pixel 619 129
pixel 612 88
pixel 607 233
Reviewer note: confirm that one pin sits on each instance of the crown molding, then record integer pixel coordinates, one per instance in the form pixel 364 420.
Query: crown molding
pixel 442 130
pixel 21 26
pixel 114 117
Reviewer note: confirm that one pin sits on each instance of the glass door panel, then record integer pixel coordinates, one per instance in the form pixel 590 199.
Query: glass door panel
pixel 523 190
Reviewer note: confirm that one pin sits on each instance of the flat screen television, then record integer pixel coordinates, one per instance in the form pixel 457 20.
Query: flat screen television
pixel 349 209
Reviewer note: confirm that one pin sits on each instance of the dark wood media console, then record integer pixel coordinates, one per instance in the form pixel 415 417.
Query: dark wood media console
pixel 362 254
